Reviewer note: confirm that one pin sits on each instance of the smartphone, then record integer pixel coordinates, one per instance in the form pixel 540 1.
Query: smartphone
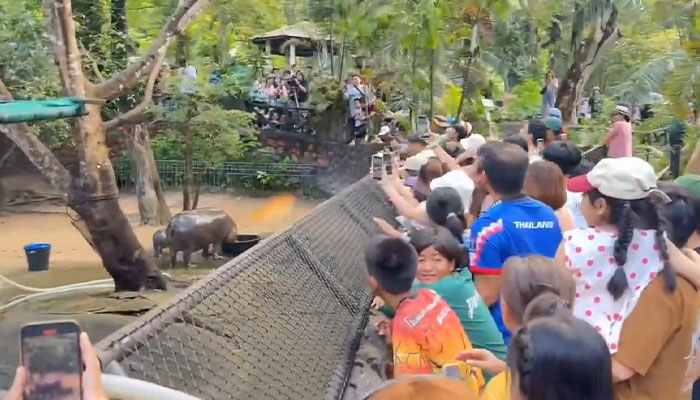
pixel 540 145
pixel 50 352
pixel 452 371
pixel 389 162
pixel 422 124
pixel 377 165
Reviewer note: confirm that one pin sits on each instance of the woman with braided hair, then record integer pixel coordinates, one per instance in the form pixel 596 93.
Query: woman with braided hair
pixel 625 261
pixel 532 287
pixel 557 356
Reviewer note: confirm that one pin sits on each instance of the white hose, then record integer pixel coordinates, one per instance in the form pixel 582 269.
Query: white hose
pixel 123 388
pixel 39 290
pixel 57 291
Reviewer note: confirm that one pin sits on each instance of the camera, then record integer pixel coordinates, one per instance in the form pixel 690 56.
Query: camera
pixel 292 82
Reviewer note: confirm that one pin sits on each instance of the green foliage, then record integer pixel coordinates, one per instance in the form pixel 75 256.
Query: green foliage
pixel 527 101
pixel 217 135
pixel 273 181
pixel 326 93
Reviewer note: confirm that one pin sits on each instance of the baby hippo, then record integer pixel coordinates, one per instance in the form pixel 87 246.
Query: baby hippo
pixel 194 230
pixel 160 242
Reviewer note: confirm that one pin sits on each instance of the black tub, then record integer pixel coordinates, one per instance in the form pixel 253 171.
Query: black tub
pixel 241 245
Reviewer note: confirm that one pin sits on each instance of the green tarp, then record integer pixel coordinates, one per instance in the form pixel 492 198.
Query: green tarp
pixel 12 112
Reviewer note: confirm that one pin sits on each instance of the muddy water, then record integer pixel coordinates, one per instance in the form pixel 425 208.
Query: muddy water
pixel 73 260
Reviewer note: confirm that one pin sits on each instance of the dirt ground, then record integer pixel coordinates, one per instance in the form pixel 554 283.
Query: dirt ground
pixel 50 224
pixel 73 260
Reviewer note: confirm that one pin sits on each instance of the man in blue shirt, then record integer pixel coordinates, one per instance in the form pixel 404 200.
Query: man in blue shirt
pixel 516 225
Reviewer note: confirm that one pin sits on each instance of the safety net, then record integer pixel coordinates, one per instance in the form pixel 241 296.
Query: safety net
pixel 281 321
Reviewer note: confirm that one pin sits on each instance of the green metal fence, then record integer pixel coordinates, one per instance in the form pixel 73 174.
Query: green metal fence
pixel 273 176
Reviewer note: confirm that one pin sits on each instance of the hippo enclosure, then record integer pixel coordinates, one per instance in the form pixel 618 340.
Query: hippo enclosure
pixel 282 321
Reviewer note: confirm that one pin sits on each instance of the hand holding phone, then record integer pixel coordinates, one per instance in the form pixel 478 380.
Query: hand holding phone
pixel 53 355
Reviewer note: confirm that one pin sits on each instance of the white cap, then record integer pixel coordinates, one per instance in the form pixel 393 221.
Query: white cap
pixel 415 163
pixel 625 178
pixel 472 143
pixel 459 181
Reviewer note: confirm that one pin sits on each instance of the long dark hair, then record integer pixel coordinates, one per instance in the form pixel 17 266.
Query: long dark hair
pixel 628 215
pixel 557 356
pixel 445 208
pixel 443 241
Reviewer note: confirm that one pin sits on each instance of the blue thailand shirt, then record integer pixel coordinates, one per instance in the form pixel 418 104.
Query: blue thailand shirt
pixel 518 227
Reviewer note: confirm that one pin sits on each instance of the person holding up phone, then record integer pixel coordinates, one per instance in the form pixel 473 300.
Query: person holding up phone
pixel 90 379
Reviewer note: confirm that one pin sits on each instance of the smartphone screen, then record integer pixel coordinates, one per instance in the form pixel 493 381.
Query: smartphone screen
pixel 423 125
pixel 377 165
pixel 452 372
pixel 51 355
pixel 389 162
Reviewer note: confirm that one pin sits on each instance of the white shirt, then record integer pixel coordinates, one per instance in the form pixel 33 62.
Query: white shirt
pixel 573 203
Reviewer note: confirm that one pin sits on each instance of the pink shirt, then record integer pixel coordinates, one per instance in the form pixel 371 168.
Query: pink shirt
pixel 621 141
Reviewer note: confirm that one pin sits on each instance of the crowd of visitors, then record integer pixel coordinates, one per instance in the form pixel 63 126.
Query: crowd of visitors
pixel 523 271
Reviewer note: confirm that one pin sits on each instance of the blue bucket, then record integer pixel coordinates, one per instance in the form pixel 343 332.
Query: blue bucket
pixel 38 256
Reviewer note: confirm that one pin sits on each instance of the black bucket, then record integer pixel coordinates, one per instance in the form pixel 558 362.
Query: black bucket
pixel 242 244
pixel 38 256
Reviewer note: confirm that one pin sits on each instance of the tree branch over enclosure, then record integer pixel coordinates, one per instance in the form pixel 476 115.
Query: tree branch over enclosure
pixel 182 16
pixel 59 13
pixel 140 110
pixel 93 62
pixel 40 155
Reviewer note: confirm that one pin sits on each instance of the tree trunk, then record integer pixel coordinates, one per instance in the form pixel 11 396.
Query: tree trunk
pixel 432 84
pixel 95 198
pixel 152 207
pixel 223 42
pixel 120 38
pixel 93 194
pixel 189 174
pixel 465 86
pixel 603 35
pixel 693 165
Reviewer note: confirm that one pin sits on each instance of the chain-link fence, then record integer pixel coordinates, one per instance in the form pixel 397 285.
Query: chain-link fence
pixel 282 321
pixel 225 174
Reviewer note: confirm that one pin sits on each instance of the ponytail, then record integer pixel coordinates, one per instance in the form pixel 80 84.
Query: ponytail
pixel 628 215
pixel 456 225
pixel 547 304
pixel 667 271
pixel 618 283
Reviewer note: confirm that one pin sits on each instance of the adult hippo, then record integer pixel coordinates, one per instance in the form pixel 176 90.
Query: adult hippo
pixel 194 230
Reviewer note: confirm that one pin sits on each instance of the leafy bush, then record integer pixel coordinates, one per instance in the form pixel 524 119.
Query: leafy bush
pixel 326 93
pixel 217 135
pixel 527 101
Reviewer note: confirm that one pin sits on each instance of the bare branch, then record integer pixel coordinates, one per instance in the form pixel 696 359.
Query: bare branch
pixel 39 155
pixel 184 14
pixel 138 111
pixel 93 62
pixel 62 27
pixel 7 155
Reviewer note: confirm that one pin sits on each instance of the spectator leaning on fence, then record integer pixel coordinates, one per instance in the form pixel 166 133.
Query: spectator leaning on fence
pixel 426 334
pixel 623 269
pixel 515 225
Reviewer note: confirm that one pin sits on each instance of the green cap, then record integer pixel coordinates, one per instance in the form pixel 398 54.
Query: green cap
pixel 690 182
pixel 553 123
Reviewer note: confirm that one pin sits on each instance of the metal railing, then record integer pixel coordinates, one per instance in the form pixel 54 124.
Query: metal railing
pixel 281 321
pixel 225 174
